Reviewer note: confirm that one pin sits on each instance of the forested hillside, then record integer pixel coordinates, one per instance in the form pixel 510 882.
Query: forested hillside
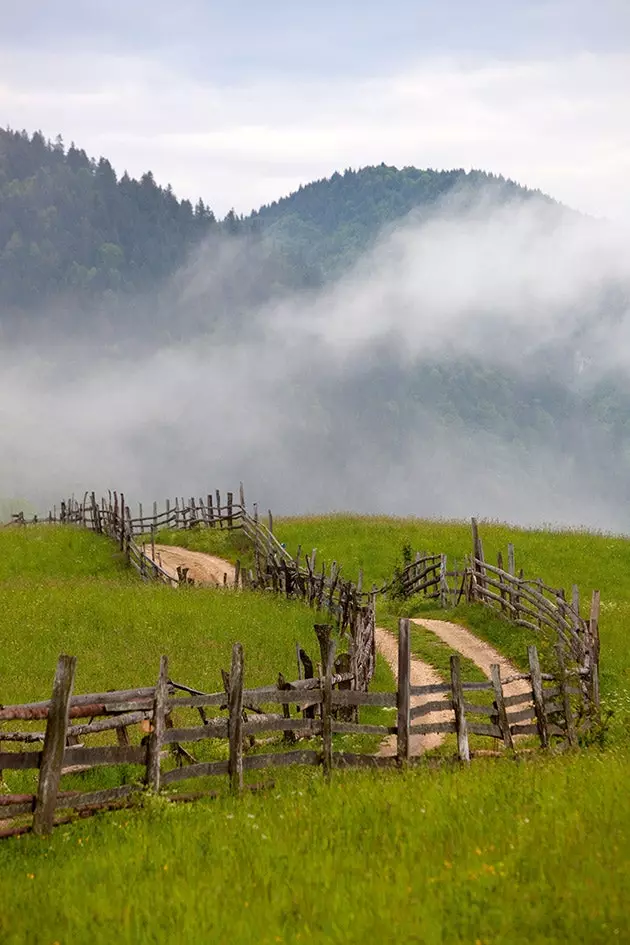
pixel 331 222
pixel 71 231
pixel 70 228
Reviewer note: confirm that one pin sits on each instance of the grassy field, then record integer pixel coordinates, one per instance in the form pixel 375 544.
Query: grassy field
pixel 526 851
pixel 593 561
pixel 500 854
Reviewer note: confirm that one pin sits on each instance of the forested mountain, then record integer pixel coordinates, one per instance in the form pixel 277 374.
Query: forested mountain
pixel 70 229
pixel 331 222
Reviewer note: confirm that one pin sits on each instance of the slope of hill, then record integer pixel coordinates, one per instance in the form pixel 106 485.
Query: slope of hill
pixel 70 229
pixel 331 222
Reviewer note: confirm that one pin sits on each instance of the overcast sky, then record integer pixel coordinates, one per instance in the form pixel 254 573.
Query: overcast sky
pixel 240 103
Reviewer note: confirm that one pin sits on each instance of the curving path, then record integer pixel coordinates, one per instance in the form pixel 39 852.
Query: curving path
pixel 209 570
pixel 202 568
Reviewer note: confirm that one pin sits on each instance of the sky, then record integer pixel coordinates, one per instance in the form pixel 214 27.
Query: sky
pixel 242 103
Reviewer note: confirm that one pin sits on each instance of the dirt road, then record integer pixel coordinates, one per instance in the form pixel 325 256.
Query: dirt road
pixel 209 570
pixel 202 568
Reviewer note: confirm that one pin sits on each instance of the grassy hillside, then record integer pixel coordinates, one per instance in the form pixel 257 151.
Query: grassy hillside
pixel 561 558
pixel 434 856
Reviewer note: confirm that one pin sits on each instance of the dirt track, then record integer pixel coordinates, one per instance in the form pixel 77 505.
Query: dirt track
pixel 202 568
pixel 209 570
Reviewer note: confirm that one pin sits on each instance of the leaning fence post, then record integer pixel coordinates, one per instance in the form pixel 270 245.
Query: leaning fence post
pixel 457 695
pixel 54 745
pixel 566 699
pixel 537 693
pixel 504 725
pixel 158 725
pixel 404 693
pixel 327 752
pixel 594 647
pixel 235 720
pixel 444 589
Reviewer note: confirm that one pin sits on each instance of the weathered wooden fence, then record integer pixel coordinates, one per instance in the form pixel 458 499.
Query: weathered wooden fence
pixel 325 590
pixel 548 706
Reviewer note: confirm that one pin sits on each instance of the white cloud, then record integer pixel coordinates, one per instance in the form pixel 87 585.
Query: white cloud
pixel 561 125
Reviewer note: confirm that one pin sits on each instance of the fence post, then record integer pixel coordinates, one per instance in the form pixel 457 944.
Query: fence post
pixel 157 733
pixel 328 650
pixel 230 503
pixel 404 694
pixel 504 725
pixel 457 695
pixel 444 589
pixel 235 720
pixel 593 625
pixel 566 699
pixel 241 496
pixel 537 693
pixel 54 745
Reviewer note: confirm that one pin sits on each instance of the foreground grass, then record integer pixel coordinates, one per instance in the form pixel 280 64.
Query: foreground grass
pixel 535 851
pixel 500 853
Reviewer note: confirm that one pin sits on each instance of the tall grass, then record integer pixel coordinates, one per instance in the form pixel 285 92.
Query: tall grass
pixel 500 853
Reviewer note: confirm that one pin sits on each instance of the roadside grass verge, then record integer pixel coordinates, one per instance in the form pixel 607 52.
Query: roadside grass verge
pixel 499 853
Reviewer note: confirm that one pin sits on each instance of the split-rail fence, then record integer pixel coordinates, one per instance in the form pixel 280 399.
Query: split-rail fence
pixel 547 706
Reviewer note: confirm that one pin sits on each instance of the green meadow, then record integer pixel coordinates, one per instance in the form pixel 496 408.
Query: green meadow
pixel 534 849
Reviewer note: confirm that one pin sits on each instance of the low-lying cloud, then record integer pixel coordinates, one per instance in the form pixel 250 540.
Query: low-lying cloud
pixel 375 394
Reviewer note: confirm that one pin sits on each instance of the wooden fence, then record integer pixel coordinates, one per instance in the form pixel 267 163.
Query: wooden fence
pixel 325 590
pixel 548 706
pixel 529 603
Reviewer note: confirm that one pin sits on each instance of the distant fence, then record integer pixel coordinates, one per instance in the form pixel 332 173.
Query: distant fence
pixel 549 706
pixel 523 601
pixel 351 609
pixel 529 603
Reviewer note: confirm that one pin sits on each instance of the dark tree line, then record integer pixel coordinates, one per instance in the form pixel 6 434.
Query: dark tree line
pixel 69 227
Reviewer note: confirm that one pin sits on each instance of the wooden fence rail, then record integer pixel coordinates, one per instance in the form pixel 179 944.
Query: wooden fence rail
pixel 547 706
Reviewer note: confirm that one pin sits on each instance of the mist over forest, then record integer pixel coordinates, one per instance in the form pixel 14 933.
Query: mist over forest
pixel 386 341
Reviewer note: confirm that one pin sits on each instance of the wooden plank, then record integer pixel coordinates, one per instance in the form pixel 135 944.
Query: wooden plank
pixel 404 694
pixel 278 723
pixel 356 728
pixel 518 699
pixel 20 760
pixel 156 736
pixel 195 702
pixel 522 715
pixel 282 760
pixel 92 702
pixel 105 755
pixel 428 728
pixel 95 797
pixel 457 696
pixel 438 705
pixel 504 725
pixel 202 770
pixel 538 696
pixel 215 728
pixel 354 697
pixel 484 728
pixel 527 729
pixel 54 746
pixel 118 721
pixel 472 708
pixel 348 759
pixel 235 722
